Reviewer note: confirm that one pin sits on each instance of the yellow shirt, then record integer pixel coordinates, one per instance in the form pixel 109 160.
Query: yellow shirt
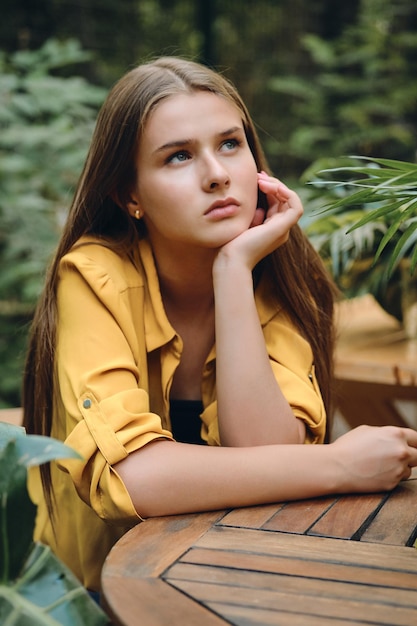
pixel 115 361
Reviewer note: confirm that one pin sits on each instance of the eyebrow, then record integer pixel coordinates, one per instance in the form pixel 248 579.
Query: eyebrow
pixel 181 143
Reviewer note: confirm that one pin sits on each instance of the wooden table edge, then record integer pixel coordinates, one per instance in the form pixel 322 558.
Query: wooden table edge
pixel 158 555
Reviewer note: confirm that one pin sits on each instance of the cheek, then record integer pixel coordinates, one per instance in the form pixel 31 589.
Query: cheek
pixel 250 175
pixel 152 193
pixel 252 189
pixel 160 200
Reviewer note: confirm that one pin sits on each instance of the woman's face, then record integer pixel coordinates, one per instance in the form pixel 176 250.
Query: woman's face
pixel 197 178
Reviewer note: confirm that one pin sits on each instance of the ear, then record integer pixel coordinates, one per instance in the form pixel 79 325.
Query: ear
pixel 131 203
pixel 133 206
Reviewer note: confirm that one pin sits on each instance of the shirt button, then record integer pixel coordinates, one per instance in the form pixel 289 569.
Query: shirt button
pixel 87 403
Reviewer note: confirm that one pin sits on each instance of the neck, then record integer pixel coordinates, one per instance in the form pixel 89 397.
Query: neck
pixel 186 282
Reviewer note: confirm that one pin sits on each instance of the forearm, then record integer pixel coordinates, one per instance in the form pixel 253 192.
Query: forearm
pixel 252 409
pixel 169 478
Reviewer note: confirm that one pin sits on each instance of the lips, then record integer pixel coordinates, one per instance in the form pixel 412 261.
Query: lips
pixel 222 206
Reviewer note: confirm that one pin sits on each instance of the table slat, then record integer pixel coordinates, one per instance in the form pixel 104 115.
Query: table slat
pixel 326 601
pixel 319 549
pixel 396 522
pixel 251 516
pixel 297 517
pixel 345 518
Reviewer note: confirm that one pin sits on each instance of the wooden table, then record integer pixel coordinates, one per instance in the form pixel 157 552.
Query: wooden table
pixel 327 561
pixel 375 364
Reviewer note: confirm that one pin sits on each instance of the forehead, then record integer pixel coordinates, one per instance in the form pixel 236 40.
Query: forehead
pixel 190 113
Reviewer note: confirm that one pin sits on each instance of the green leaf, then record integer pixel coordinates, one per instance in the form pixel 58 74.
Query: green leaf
pixel 48 594
pixel 408 237
pixel 19 451
pixel 17 513
pixel 357 198
pixel 8 432
pixel 376 214
pixel 392 230
pixel 393 163
pixel 32 449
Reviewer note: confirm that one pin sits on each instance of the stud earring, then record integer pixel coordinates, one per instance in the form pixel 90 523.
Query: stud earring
pixel 138 214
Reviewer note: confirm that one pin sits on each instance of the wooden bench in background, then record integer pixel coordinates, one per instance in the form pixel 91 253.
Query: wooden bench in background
pixel 375 366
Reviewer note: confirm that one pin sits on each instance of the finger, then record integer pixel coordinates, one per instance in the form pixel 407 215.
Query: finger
pixel 412 461
pixel 274 187
pixel 406 473
pixel 264 176
pixel 280 197
pixel 411 439
pixel 411 436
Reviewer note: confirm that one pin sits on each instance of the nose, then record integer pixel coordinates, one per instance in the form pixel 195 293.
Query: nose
pixel 215 174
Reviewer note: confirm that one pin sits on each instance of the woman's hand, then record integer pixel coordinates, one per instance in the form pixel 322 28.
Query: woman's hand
pixel 374 458
pixel 268 230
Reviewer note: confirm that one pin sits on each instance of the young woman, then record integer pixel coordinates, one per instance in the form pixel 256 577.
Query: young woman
pixel 185 307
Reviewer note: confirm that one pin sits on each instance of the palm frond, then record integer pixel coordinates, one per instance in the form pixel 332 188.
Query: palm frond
pixel 383 191
pixel 406 242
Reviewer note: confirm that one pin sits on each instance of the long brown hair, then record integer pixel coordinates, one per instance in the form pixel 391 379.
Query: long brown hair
pixel 99 208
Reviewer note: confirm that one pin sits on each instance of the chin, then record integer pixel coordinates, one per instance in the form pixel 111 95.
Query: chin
pixel 234 233
pixel 228 231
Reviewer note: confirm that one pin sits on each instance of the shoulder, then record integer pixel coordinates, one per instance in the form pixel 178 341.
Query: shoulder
pixel 98 261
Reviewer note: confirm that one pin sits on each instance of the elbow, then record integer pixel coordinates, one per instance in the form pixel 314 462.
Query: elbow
pixel 148 479
pixel 142 488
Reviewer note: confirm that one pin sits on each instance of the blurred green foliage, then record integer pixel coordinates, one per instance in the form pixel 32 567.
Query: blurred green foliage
pixel 361 94
pixel 46 120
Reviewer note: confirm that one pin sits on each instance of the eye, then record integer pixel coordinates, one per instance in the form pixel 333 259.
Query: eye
pixel 178 157
pixel 230 144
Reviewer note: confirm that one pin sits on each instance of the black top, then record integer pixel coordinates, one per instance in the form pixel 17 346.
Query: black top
pixel 185 420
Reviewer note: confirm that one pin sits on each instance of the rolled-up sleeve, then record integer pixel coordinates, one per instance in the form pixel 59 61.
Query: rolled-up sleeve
pixel 291 360
pixel 102 380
